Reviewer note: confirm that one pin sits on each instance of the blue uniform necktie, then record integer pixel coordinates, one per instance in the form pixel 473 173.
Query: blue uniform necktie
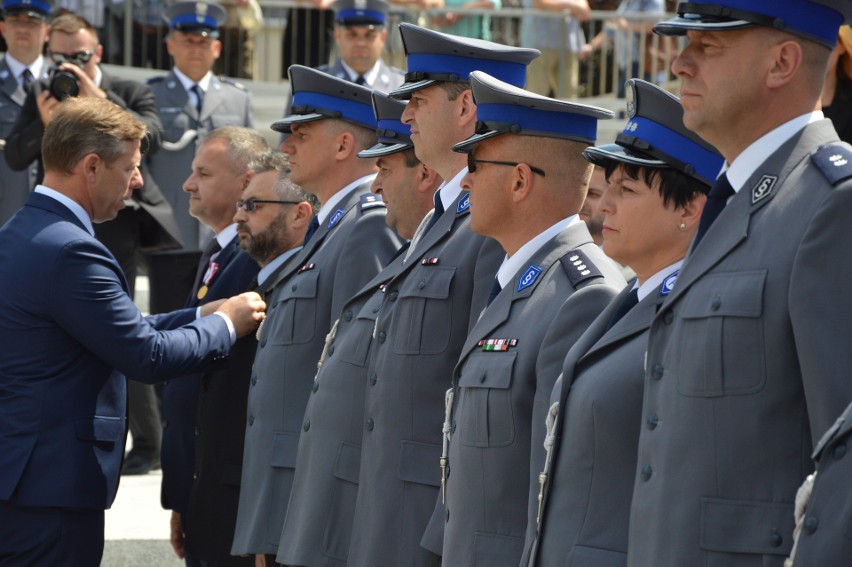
pixel 629 303
pixel 199 97
pixel 716 201
pixel 312 228
pixel 496 288
pixel 439 210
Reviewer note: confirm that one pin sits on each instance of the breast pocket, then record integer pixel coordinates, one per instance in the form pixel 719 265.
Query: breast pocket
pixel 295 310
pixel 355 346
pixel 720 343
pixel 425 312
pixel 484 417
pixel 175 123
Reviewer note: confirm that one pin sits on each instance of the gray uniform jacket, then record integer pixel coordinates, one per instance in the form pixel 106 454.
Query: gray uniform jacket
pixel 344 253
pixel 426 313
pixel 502 394
pixel 748 360
pixel 825 536
pixel 15 186
pixel 226 103
pixel 322 503
pixel 586 504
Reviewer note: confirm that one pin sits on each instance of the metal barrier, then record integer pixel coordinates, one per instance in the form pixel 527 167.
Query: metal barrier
pixel 134 35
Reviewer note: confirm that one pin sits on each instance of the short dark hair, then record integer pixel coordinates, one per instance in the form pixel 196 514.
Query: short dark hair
pixel 454 89
pixel 676 187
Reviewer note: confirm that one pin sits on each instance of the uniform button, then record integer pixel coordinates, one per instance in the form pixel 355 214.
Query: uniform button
pixel 647 471
pixel 197 431
pixel 195 476
pixel 330 350
pixel 263 342
pixel 716 304
pixel 382 336
pixel 347 316
pixel 839 452
pixel 251 420
pixel 421 284
pixel 447 515
pixel 657 371
pixel 370 424
pixel 315 387
pixel 653 420
pixel 306 425
pixel 393 295
pixel 775 539
pixel 668 317
pixel 482 377
pixel 453 426
pixel 253 380
pixel 294 287
pixel 373 379
pixel 811 524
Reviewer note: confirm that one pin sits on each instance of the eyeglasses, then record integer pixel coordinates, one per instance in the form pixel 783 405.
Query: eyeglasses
pixel 472 163
pixel 250 205
pixel 78 58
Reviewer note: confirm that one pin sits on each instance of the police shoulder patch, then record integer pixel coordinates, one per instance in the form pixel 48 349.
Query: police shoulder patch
pixel 578 267
pixel 233 83
pixel 834 161
pixel 371 200
pixel 155 80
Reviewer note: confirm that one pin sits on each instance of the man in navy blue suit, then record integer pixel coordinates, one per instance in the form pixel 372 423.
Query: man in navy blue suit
pixel 70 332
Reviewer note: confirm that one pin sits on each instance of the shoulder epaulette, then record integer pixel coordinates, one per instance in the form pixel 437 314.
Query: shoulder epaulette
pixel 834 161
pixel 578 267
pixel 370 201
pixel 233 83
pixel 153 80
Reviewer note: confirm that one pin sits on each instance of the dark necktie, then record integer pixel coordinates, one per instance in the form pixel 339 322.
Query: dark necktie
pixel 716 201
pixel 199 97
pixel 496 288
pixel 361 81
pixel 26 79
pixel 312 228
pixel 629 302
pixel 439 210
pixel 212 248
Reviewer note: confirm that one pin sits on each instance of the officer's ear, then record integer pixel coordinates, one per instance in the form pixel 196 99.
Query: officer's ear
pixel 788 59
pixel 691 212
pixel 466 108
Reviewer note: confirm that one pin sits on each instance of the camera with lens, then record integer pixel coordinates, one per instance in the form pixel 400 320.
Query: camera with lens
pixel 63 84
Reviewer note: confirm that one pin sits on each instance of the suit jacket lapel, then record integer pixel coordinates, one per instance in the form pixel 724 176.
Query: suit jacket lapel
pixel 213 99
pixel 443 227
pixel 10 85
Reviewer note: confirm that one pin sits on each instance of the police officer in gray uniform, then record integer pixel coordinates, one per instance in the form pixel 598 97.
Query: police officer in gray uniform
pixel 748 360
pixel 527 180
pixel 427 309
pixel 322 503
pixel 332 121
pixel 192 102
pixel 25 30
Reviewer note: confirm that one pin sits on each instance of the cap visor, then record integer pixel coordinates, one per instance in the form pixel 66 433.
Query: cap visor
pixel 599 155
pixel 679 26
pixel 283 125
pixel 403 92
pixel 380 150
pixel 466 146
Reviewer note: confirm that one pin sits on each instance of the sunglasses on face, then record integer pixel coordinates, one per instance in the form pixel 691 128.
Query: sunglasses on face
pixel 473 163
pixel 250 205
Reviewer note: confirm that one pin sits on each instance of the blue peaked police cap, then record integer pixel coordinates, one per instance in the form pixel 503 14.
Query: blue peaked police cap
pixel 434 56
pixel 318 95
pixel 198 18
pixel 502 108
pixel 817 20
pixel 36 8
pixel 394 136
pixel 656 137
pixel 360 12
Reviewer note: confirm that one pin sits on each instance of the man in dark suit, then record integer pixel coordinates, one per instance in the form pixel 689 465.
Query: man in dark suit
pixel 70 330
pixel 204 414
pixel 332 121
pixel 25 30
pixel 360 35
pixel 74 47
pixel 748 360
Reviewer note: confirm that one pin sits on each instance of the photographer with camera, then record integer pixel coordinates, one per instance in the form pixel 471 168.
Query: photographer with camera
pixel 147 220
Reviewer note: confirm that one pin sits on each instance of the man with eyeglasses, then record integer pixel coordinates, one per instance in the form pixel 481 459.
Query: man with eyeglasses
pixel 24 28
pixel 203 414
pixel 147 221
pixel 527 181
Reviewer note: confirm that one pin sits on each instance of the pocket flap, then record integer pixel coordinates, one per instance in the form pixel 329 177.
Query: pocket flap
pixel 419 463
pixel 488 370
pixel 301 285
pixel 285 446
pixel 348 463
pixel 744 526
pixel 732 294
pixel 431 282
pixel 99 428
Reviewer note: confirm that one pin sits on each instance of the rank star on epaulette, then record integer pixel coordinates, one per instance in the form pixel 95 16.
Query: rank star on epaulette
pixel 335 218
pixel 428 261
pixel 497 345
pixel 370 200
pixel 579 264
pixel 306 268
